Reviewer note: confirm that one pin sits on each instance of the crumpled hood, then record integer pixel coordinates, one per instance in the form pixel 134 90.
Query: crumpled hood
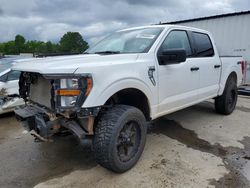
pixel 69 64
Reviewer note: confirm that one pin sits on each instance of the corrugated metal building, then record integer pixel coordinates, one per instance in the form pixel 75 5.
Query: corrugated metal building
pixel 231 33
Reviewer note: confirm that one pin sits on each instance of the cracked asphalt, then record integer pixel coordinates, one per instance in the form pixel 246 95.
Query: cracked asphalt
pixel 194 147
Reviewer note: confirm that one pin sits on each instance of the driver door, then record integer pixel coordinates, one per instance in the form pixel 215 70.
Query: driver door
pixel 178 83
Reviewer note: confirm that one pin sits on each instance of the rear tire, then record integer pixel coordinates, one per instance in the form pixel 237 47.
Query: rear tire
pixel 120 137
pixel 225 104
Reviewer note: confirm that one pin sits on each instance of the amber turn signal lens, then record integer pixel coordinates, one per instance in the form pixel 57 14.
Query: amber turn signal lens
pixel 66 92
pixel 89 86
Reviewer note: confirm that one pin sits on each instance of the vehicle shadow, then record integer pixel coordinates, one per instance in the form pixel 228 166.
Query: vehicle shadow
pixel 6 115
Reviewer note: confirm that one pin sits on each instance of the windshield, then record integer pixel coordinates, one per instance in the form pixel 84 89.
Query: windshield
pixel 130 41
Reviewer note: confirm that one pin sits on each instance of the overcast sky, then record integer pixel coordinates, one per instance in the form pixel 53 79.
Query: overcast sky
pixel 50 19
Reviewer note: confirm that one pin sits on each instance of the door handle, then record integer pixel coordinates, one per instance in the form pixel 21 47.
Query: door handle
pixel 194 69
pixel 217 66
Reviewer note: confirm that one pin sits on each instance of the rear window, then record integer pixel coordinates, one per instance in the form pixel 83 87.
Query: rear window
pixel 204 47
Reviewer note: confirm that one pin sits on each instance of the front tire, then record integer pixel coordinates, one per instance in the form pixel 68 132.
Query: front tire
pixel 120 137
pixel 225 104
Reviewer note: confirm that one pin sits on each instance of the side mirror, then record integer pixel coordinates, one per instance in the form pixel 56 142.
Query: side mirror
pixel 172 56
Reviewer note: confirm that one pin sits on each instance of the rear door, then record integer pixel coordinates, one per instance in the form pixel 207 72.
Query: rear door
pixel 178 83
pixel 209 65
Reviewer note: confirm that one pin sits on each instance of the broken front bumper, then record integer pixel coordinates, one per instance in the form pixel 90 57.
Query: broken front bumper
pixel 43 124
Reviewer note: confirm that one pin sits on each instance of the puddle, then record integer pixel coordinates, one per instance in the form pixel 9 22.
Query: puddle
pixel 175 131
pixel 236 160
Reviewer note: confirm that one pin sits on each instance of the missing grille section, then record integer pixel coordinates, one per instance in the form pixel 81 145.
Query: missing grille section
pixel 40 91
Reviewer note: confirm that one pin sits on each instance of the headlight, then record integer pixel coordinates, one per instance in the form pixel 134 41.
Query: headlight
pixel 68 101
pixel 71 92
pixel 69 83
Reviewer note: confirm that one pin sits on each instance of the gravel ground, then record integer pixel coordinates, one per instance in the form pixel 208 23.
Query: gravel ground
pixel 194 147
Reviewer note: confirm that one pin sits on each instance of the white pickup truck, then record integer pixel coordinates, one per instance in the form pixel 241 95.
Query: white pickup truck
pixel 106 95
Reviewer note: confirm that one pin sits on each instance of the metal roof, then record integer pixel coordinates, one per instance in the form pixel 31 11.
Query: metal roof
pixel 209 17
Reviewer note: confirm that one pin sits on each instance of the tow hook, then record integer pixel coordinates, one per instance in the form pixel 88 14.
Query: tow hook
pixel 39 138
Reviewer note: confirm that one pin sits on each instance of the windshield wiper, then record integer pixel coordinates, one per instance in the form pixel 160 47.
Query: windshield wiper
pixel 108 52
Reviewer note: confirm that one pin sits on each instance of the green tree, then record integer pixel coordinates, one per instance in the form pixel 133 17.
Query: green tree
pixel 30 46
pixel 34 46
pixel 49 47
pixel 73 42
pixel 56 48
pixel 10 48
pixel 70 42
pixel 19 43
pixel 2 47
pixel 40 47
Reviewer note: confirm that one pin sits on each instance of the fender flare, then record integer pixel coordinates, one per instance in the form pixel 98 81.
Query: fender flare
pixel 118 85
pixel 224 79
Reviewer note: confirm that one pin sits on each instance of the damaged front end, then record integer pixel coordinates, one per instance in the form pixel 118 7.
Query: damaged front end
pixel 53 104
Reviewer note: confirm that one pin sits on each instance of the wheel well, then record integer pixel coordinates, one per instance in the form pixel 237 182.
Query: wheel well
pixel 233 76
pixel 132 97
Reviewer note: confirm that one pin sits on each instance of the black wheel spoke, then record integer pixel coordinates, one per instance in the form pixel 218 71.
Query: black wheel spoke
pixel 121 150
pixel 129 128
pixel 132 134
pixel 119 142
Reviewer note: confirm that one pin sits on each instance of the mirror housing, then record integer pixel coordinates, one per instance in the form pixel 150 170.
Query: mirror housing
pixel 172 56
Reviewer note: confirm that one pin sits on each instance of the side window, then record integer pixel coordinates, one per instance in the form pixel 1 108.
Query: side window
pixel 204 47
pixel 177 39
pixel 13 75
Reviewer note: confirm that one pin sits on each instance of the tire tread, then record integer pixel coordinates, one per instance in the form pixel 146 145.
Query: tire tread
pixel 220 101
pixel 103 135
